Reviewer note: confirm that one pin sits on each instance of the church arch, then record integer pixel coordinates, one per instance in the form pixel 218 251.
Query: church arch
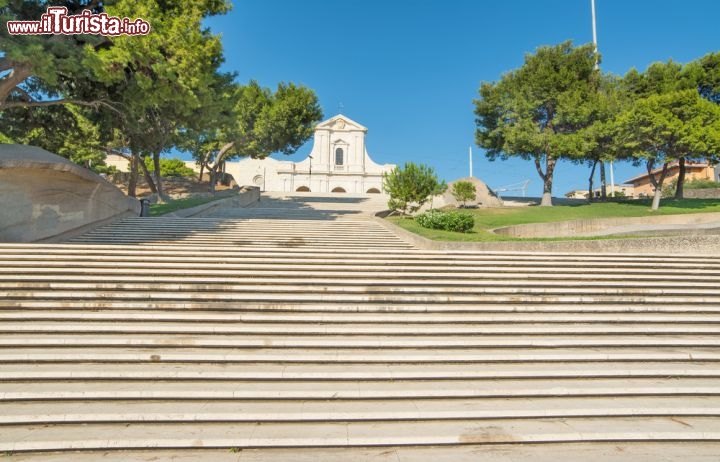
pixel 338 189
pixel 302 189
pixel 373 191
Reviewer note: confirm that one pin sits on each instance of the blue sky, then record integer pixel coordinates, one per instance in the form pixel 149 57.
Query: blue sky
pixel 409 69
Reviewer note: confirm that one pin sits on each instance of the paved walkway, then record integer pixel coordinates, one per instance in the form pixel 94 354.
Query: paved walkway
pixel 306 206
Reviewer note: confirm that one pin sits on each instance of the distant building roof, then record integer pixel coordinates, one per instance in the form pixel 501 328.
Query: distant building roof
pixel 671 165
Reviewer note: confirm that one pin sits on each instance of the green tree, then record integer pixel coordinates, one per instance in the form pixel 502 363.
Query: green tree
pixel 707 76
pixel 78 140
pixel 666 127
pixel 600 145
pixel 536 111
pixel 702 75
pixel 258 124
pixel 43 70
pixel 464 191
pixel 162 80
pixel 411 186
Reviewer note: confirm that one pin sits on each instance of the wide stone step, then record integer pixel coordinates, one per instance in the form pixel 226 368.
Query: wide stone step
pixel 358 390
pixel 278 243
pixel 15 271
pixel 369 287
pixel 350 280
pixel 344 434
pixel 357 355
pixel 598 451
pixel 150 340
pixel 256 232
pixel 49 412
pixel 353 329
pixel 289 299
pixel 494 305
pixel 81 371
pixel 508 256
pixel 220 229
pixel 192 318
pixel 548 259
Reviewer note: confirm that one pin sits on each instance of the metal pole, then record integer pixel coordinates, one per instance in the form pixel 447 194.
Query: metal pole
pixel 470 152
pixel 597 64
pixel 597 67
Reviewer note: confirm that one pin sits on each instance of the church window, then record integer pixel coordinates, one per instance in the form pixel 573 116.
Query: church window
pixel 339 156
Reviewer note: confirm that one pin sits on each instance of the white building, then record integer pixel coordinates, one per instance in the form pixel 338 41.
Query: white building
pixel 338 162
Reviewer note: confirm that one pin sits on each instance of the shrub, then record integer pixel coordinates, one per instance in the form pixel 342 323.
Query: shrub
pixel 701 184
pixel 448 221
pixel 170 167
pixel 410 187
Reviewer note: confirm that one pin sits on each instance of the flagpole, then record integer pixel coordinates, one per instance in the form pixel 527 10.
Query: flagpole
pixel 597 67
pixel 470 152
pixel 594 27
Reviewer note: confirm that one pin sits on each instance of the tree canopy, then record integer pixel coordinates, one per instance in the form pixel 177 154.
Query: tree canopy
pixel 464 191
pixel 40 70
pixel 557 105
pixel 258 123
pixel 537 111
pixel 670 127
pixel 142 96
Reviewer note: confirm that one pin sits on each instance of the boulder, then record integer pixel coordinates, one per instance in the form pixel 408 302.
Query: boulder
pixel 44 196
pixel 484 196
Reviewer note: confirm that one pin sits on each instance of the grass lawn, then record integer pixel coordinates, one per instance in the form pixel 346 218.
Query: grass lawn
pixel 179 204
pixel 489 218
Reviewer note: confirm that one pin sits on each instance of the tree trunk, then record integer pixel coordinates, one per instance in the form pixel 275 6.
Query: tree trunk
pixel 679 189
pixel 656 199
pixel 158 178
pixel 219 163
pixel 547 178
pixel 591 196
pixel 147 175
pixel 202 167
pixel 657 183
pixel 603 183
pixel 212 172
pixel 132 181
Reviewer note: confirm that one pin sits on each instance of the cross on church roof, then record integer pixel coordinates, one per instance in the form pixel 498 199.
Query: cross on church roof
pixel 340 108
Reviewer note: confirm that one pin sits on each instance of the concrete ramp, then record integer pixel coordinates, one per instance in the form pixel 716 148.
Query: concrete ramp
pixel 43 195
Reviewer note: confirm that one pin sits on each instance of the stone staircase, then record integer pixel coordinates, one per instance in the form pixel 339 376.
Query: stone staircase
pixel 317 330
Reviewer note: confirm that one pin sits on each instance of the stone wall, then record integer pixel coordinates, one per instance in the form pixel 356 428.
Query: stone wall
pixel 695 244
pixel 610 226
pixel 44 196
pixel 708 193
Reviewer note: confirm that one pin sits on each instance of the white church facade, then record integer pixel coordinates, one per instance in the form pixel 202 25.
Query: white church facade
pixel 338 163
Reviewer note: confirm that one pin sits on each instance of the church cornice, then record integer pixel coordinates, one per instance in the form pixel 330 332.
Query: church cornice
pixel 341 123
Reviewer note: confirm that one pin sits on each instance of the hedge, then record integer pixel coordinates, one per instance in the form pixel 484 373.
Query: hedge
pixel 449 221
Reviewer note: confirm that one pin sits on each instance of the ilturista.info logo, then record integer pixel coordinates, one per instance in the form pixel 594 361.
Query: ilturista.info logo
pixel 57 22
